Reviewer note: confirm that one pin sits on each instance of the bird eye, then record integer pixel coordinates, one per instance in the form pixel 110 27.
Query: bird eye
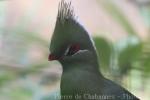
pixel 73 49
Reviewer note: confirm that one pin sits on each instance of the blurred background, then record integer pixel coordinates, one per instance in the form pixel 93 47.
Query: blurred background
pixel 120 29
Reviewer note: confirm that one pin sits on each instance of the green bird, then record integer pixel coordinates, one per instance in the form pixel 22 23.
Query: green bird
pixel 74 48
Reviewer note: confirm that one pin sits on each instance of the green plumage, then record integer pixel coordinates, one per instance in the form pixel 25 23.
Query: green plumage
pixel 81 78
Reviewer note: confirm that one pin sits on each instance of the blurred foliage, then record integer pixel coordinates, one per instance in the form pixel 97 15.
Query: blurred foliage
pixel 129 55
pixel 114 11
pixel 126 53
pixel 21 94
pixel 145 59
pixel 104 48
pixel 17 94
pixel 5 78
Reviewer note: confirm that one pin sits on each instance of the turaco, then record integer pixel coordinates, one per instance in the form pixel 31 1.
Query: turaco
pixel 73 47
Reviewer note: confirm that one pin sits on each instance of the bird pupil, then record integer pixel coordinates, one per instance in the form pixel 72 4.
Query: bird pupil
pixel 73 49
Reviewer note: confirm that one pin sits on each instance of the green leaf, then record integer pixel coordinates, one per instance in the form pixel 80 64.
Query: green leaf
pixel 129 53
pixel 104 49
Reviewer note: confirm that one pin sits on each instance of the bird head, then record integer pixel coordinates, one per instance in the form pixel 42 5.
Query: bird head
pixel 69 35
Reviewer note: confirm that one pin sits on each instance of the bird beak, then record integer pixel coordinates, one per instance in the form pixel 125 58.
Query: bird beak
pixel 52 57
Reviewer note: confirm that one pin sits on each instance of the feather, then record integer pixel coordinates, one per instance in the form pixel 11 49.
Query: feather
pixel 65 12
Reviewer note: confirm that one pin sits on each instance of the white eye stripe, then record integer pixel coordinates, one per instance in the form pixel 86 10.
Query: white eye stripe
pixel 72 49
pixel 80 51
pixel 67 50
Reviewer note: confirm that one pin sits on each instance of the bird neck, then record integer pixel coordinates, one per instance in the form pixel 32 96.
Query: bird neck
pixel 85 63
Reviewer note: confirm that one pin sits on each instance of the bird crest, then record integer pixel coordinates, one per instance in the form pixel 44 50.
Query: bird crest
pixel 65 12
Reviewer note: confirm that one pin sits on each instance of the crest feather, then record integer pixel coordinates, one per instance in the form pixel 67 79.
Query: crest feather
pixel 65 11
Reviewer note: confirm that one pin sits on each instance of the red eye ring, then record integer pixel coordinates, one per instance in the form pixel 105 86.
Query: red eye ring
pixel 73 49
